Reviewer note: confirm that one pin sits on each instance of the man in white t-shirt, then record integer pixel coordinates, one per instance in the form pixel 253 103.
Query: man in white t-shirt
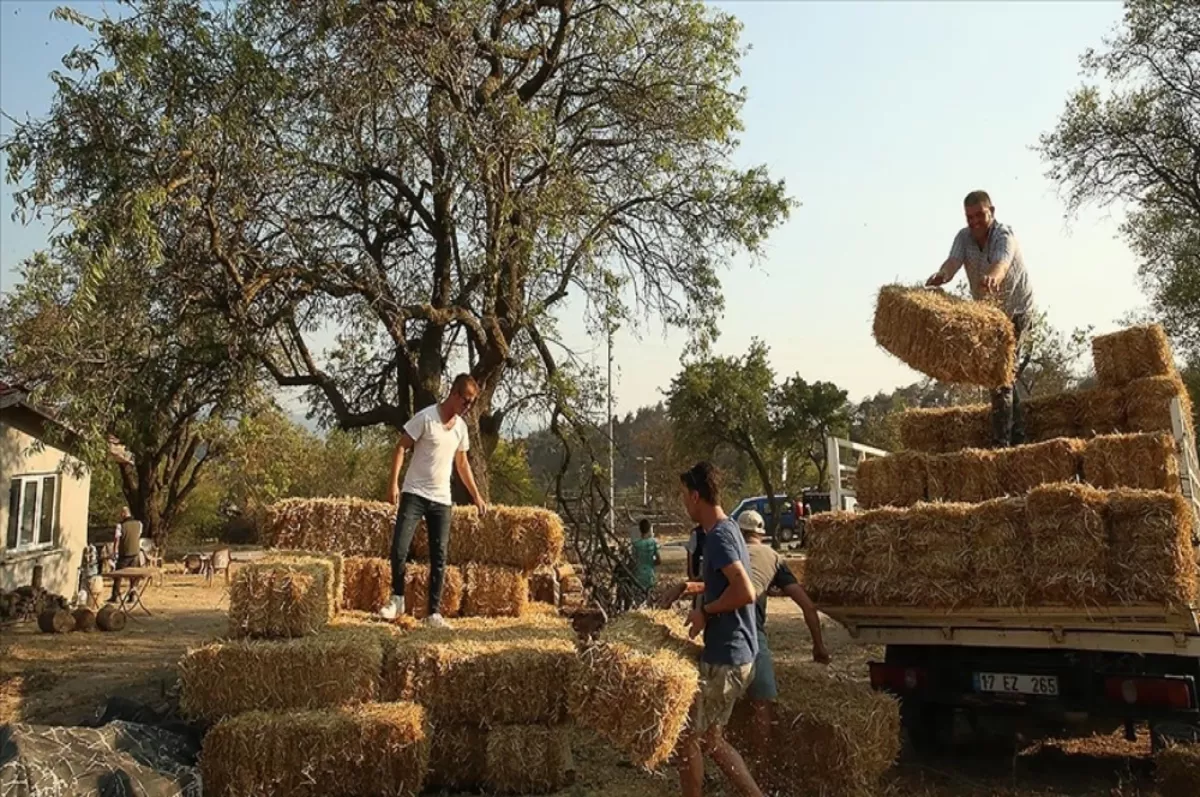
pixel 437 436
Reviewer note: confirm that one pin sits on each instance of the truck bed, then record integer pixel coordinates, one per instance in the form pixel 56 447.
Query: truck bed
pixel 1143 628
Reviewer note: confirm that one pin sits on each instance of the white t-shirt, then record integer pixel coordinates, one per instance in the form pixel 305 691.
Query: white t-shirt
pixel 433 454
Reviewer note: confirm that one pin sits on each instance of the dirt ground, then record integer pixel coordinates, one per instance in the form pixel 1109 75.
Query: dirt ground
pixel 66 679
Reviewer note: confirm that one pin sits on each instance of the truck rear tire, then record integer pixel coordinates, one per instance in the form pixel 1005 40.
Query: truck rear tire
pixel 927 725
pixel 1165 734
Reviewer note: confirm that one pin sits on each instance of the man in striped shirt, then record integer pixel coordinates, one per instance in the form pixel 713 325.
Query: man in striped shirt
pixel 991 256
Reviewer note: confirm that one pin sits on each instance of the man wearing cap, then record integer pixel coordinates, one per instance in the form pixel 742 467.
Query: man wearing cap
pixel 995 267
pixel 769 571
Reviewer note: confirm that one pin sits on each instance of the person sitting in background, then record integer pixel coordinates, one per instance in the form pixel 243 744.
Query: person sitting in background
pixel 646 557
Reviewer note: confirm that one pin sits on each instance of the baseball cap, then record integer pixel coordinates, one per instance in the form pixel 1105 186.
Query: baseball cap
pixel 750 522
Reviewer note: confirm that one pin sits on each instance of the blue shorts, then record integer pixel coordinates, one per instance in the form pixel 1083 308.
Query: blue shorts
pixel 762 681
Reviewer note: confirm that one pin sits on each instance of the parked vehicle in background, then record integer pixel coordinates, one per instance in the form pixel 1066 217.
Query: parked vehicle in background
pixel 790 526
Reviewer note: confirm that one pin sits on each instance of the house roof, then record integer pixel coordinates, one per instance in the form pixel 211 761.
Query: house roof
pixel 16 396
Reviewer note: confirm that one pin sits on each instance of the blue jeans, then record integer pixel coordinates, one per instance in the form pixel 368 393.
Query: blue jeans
pixel 437 521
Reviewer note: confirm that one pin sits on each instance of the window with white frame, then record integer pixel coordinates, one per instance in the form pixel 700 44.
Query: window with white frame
pixel 32 512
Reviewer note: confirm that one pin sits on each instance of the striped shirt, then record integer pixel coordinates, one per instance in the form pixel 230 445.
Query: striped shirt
pixel 1016 296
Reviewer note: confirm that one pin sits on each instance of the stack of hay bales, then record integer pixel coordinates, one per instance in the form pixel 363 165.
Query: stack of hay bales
pixel 491 559
pixel 1096 519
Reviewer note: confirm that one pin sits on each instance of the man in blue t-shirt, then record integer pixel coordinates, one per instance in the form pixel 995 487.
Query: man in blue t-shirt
pixel 726 616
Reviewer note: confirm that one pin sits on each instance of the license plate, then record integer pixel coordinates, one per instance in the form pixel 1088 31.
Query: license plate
pixel 1014 684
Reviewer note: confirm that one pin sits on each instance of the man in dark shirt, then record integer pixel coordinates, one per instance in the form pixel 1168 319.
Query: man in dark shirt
pixel 768 571
pixel 726 617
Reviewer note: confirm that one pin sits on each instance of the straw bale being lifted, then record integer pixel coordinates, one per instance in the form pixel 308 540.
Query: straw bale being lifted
pixel 998 542
pixel 1177 770
pixel 281 600
pixel 510 536
pixel 935 557
pixel 1138 461
pixel 941 430
pixel 1133 353
pixel 950 339
pixel 968 476
pixel 828 736
pixel 528 759
pixel 493 591
pixel 896 480
pixel 368 583
pixel 1148 403
pixel 485 671
pixel 1152 556
pixel 349 526
pixel 336 667
pixel 1068 545
pixel 372 749
pixel 635 685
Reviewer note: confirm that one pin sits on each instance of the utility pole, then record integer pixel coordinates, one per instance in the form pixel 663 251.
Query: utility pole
pixel 645 484
pixel 612 443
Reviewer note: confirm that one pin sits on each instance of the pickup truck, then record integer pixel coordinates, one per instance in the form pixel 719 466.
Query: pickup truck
pixel 1044 670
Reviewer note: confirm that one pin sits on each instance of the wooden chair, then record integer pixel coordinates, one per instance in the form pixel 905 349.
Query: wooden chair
pixel 220 560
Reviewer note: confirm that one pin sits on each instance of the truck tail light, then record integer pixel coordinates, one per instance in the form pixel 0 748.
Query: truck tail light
pixel 1155 692
pixel 894 678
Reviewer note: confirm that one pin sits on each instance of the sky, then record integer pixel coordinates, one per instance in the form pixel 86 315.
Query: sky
pixel 880 117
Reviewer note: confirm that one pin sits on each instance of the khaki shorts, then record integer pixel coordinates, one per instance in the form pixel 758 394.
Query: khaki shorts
pixel 721 686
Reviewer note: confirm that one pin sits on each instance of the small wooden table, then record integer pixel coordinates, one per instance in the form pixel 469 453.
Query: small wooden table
pixel 139 579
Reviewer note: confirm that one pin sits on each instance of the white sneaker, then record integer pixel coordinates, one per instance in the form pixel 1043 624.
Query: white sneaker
pixel 393 608
pixel 436 621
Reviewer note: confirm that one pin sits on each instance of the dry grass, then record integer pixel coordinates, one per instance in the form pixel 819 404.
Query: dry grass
pixel 494 591
pixel 635 685
pixel 1068 545
pixel 372 749
pixel 829 736
pixel 281 600
pixel 1178 771
pixel 1137 461
pixel 336 667
pixel 1152 559
pixel 485 671
pixel 896 480
pixel 1133 353
pixel 950 339
pixel 941 430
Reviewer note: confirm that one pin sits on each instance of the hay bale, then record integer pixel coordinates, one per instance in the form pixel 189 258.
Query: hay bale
pixel 56 621
pixel 1022 468
pixel 1177 770
pixel 85 619
pixel 281 600
pixel 1068 545
pixel 997 542
pixel 372 749
pixel 349 526
pixel 485 671
pixel 1100 411
pixel 336 667
pixel 834 558
pixel 934 567
pixel 457 757
pixel 1137 461
pixel 543 586
pixel 828 736
pixel 635 685
pixel 1053 416
pixel 416 591
pixel 882 537
pixel 367 583
pixel 494 591
pixel 335 560
pixel 950 339
pixel 1152 559
pixel 1133 353
pixel 523 537
pixel 968 476
pixel 896 480
pixel 528 759
pixel 1148 404
pixel 941 430
pixel 110 618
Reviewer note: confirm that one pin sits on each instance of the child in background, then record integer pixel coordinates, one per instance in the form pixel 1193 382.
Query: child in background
pixel 646 557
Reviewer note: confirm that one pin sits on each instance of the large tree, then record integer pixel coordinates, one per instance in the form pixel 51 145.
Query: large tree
pixel 390 191
pixel 1135 144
